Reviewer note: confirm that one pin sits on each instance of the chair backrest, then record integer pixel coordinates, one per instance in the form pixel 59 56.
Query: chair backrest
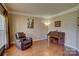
pixel 20 35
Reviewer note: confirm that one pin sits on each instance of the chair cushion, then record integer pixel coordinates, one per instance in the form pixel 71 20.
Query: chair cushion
pixel 27 41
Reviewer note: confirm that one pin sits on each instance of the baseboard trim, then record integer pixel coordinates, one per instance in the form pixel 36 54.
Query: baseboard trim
pixel 12 43
pixel 72 47
pixel 39 39
pixel 77 49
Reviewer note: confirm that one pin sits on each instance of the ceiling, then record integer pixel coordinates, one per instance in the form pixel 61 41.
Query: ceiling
pixel 40 9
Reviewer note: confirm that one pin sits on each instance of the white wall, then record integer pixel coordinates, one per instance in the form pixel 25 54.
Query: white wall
pixel 77 30
pixel 68 25
pixel 18 23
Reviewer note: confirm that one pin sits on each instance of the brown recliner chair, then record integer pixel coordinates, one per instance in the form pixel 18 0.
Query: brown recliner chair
pixel 22 41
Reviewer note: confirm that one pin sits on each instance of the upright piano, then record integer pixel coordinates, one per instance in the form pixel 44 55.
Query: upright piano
pixel 58 36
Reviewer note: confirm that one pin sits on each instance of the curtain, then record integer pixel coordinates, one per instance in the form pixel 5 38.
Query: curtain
pixel 6 25
pixel 4 13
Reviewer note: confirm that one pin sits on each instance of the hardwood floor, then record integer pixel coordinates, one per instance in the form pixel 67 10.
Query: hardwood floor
pixel 41 48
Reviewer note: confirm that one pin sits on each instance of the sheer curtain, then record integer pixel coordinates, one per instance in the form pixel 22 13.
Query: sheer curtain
pixel 3 27
pixel 2 31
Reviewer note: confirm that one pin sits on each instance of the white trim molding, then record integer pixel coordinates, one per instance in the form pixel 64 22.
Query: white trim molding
pixel 67 11
pixel 77 49
pixel 71 47
pixel 24 14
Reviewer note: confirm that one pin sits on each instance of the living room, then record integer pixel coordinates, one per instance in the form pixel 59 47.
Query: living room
pixel 44 18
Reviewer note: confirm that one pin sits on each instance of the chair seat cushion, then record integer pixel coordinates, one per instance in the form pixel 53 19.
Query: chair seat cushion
pixel 27 41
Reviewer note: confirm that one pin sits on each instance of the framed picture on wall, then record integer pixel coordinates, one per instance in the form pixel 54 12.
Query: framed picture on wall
pixel 30 23
pixel 57 23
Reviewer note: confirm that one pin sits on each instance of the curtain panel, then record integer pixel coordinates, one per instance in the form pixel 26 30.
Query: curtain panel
pixel 4 13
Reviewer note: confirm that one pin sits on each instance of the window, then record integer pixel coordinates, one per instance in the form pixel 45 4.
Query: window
pixel 2 31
